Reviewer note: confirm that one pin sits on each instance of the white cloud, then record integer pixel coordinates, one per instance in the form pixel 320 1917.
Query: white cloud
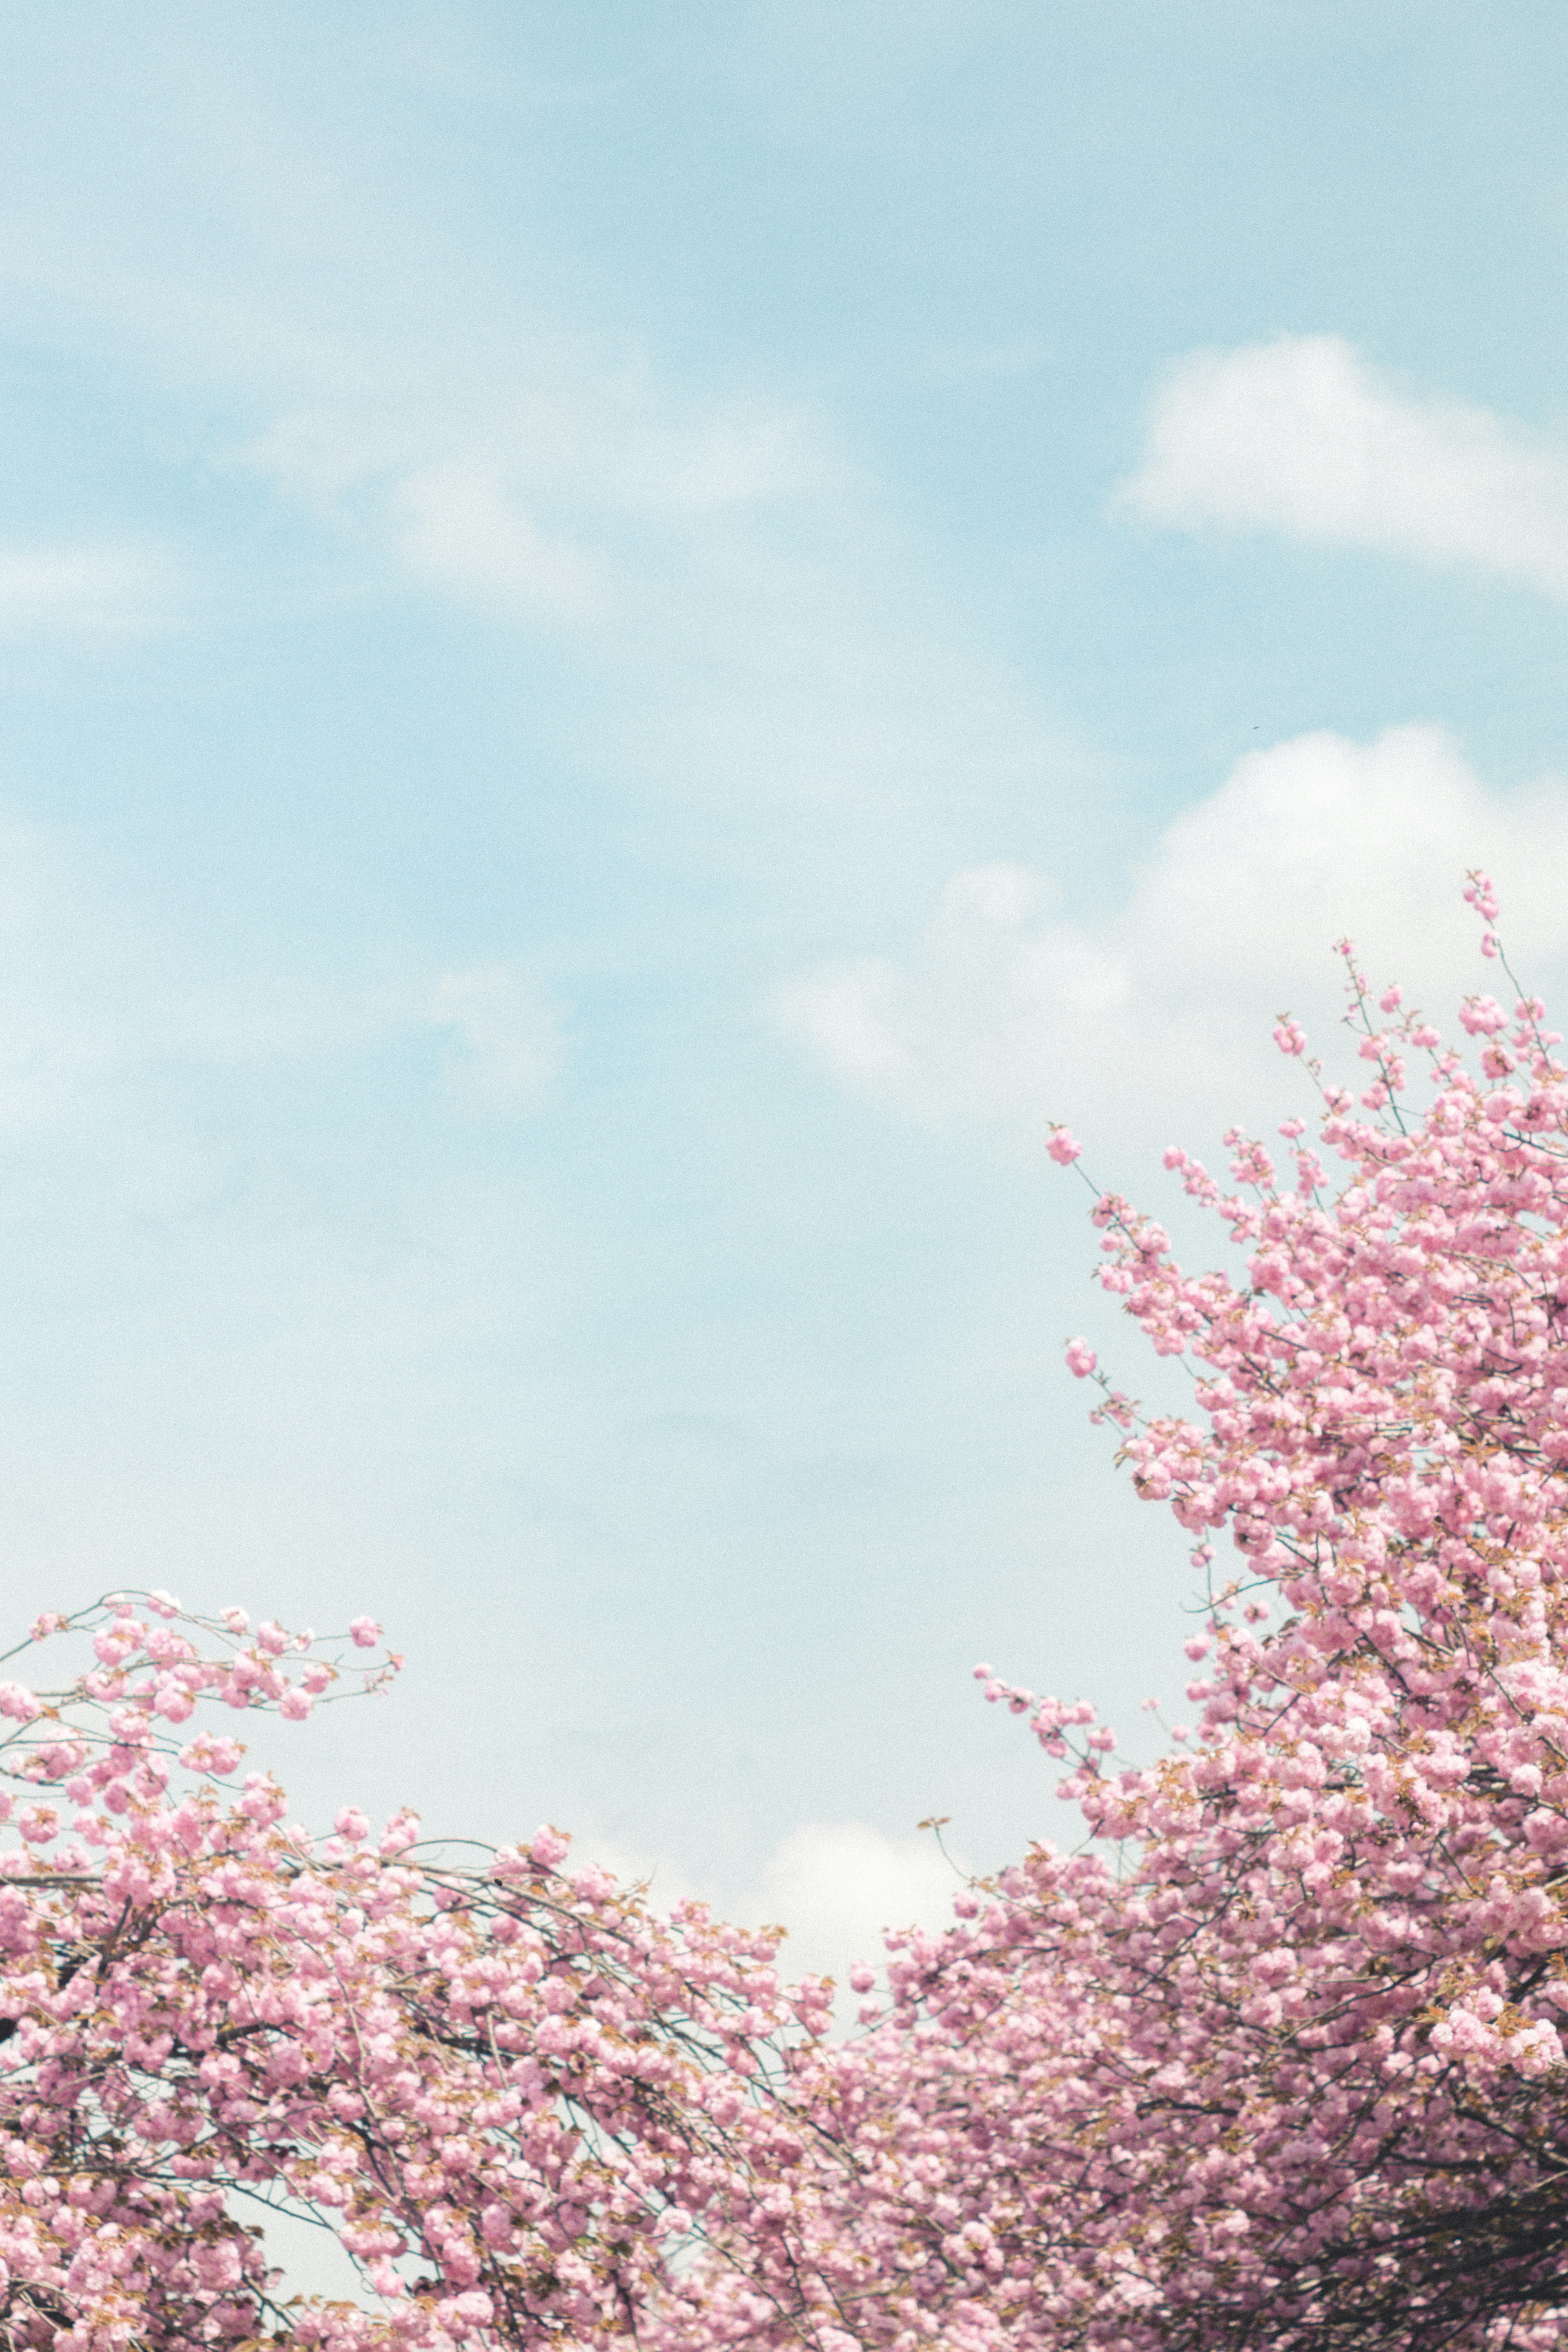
pixel 510 1036
pixel 1300 435
pixel 463 528
pixel 454 495
pixel 320 457
pixel 838 1885
pixel 56 1031
pixel 92 1003
pixel 98 592
pixel 767 631
pixel 49 1059
pixel 1005 1012
pixel 835 1886
pixel 646 451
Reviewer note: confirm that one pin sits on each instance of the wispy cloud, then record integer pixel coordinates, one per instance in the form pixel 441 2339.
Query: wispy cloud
pixel 1303 436
pixel 510 1037
pixel 84 592
pixel 456 496
pixel 1005 1011
pixel 504 1032
pixel 760 624
pixel 92 1003
pixel 388 359
pixel 47 1059
pixel 461 528
pixel 723 456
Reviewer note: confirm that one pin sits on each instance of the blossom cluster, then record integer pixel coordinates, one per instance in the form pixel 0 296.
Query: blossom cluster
pixel 511 2092
pixel 1279 2057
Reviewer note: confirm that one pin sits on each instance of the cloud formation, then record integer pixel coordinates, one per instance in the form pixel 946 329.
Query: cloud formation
pixel 82 592
pixel 510 1037
pixel 454 492
pixel 1006 1012
pixel 837 1885
pixel 1302 436
pixel 463 528
pixel 95 1007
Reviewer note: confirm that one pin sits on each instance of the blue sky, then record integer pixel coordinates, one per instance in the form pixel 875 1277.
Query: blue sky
pixel 633 642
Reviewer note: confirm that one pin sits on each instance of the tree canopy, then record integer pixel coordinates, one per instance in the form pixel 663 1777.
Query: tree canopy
pixel 1273 2059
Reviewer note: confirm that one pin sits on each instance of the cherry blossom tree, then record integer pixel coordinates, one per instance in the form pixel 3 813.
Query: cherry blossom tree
pixel 510 2091
pixel 1273 2058
pixel 1279 2059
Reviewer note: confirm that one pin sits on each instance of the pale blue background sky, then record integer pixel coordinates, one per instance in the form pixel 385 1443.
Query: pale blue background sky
pixel 538 547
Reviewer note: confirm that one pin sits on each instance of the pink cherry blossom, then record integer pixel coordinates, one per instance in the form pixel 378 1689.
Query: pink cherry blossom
pixel 1275 2057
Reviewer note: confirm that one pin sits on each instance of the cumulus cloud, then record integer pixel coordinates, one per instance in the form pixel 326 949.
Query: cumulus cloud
pixel 1302 436
pixel 509 1035
pixel 837 1885
pixel 1007 1011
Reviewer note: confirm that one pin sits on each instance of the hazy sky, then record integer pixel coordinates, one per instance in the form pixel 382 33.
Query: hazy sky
pixel 634 639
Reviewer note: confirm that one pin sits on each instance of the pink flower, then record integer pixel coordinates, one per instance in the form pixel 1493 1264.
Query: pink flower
pixel 365 1632
pixel 1483 1017
pixel 206 1753
pixel 460 2315
pixel 1080 1359
pixel 1064 1146
pixel 401 1832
